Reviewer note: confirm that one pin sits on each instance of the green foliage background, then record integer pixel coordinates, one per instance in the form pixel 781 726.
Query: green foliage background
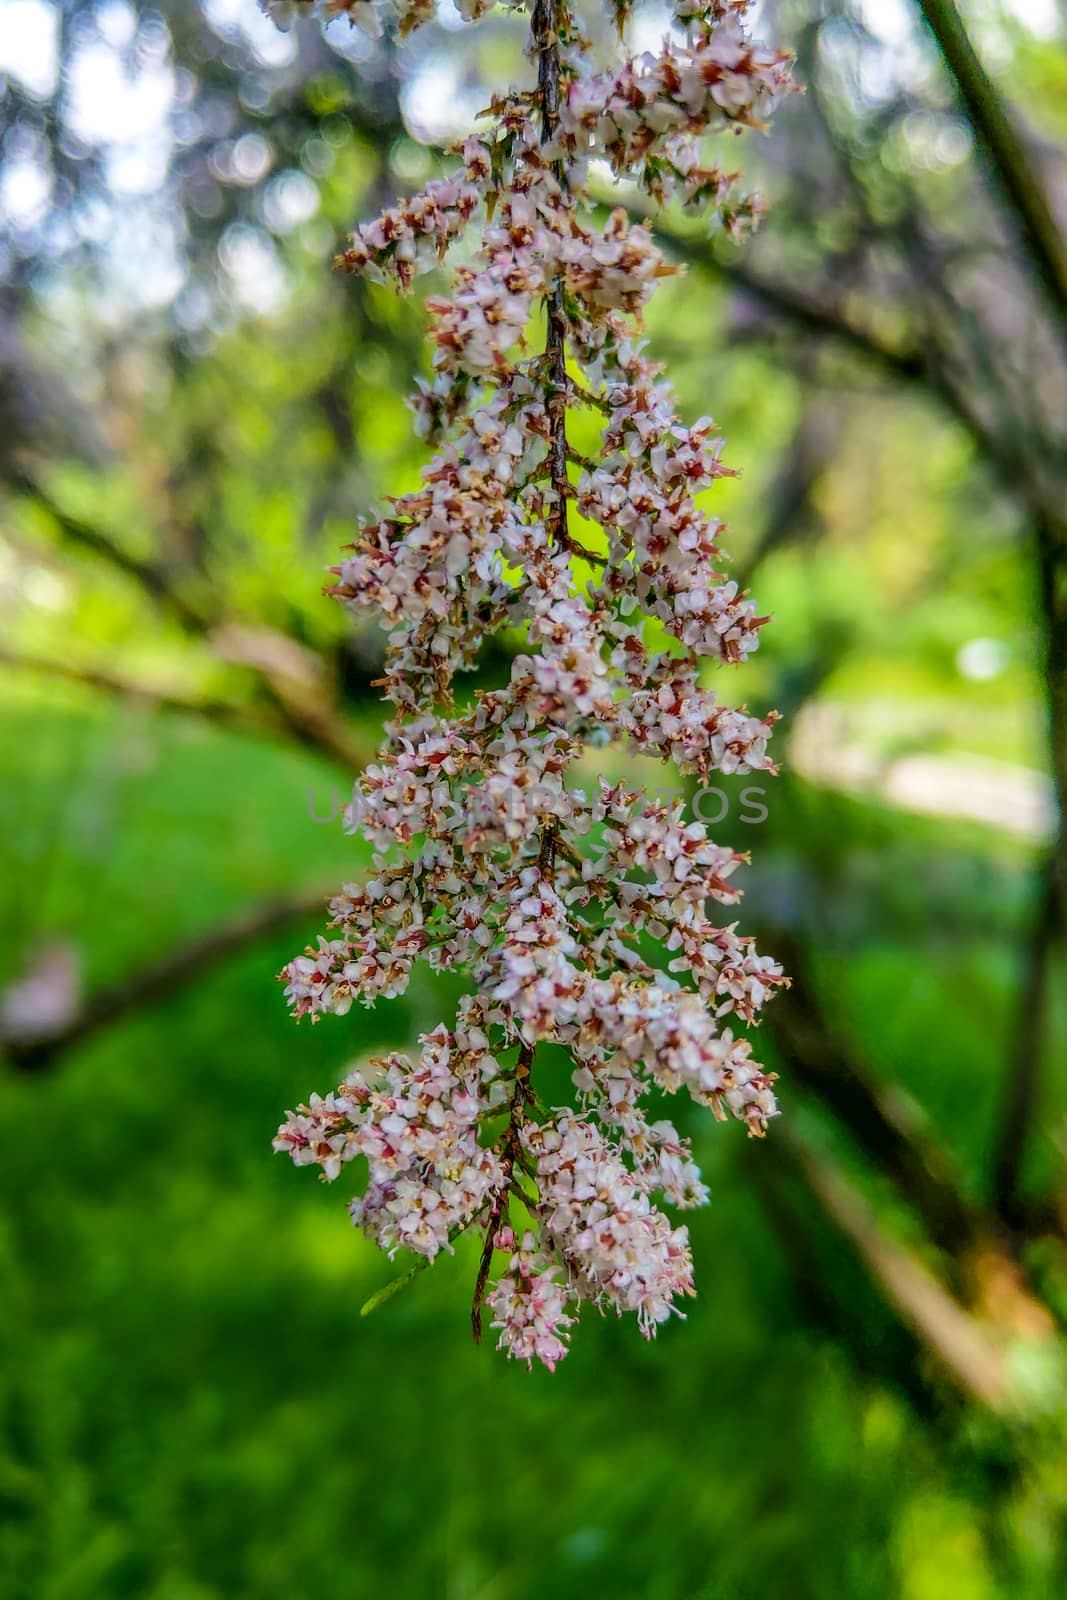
pixel 191 1405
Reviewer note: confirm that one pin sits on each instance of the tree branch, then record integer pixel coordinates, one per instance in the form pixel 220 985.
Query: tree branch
pixel 153 577
pixel 1051 539
pixel 1020 1099
pixel 966 1351
pixel 229 713
pixel 1013 165
pixel 821 1060
pixel 810 1252
pixel 814 313
pixel 1022 1075
pixel 310 722
pixel 157 979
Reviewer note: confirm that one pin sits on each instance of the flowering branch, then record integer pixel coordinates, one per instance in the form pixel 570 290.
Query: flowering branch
pixel 489 858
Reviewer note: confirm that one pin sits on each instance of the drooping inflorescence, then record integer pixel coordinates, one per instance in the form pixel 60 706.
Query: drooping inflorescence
pixel 490 858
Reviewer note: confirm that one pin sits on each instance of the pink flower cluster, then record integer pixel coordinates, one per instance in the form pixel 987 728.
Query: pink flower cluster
pixel 417 1126
pixel 644 116
pixel 491 857
pixel 368 15
pixel 417 233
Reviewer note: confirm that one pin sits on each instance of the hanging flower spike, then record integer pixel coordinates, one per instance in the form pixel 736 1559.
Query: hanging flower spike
pixel 486 858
